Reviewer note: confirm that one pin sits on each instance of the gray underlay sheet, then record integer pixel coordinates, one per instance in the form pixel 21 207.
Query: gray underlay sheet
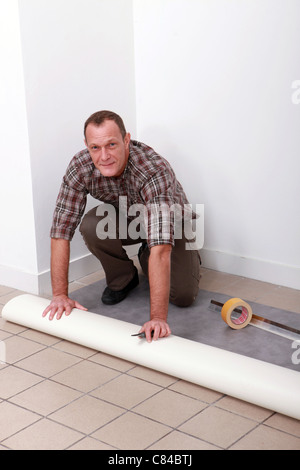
pixel 199 323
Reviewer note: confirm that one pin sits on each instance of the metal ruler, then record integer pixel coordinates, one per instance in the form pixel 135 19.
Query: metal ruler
pixel 264 323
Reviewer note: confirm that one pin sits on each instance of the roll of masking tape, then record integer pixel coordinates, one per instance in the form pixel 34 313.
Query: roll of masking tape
pixel 236 319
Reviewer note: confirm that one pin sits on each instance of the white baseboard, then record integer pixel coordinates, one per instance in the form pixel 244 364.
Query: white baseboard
pixel 78 268
pixel 16 279
pixel 261 270
pixel 40 283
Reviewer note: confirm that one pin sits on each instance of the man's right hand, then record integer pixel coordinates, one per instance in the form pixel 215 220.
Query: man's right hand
pixel 61 304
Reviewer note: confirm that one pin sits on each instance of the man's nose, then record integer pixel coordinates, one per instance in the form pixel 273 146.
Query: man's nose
pixel 104 154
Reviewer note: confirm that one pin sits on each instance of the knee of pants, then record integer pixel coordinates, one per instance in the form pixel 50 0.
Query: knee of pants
pixel 184 297
pixel 88 226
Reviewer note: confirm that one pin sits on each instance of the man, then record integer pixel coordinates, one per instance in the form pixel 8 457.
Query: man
pixel 113 169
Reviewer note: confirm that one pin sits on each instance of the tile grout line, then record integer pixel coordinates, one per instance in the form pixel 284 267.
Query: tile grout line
pixel 52 378
pixel 126 410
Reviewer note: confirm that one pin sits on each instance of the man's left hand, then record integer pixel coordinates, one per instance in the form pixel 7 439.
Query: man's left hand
pixel 159 328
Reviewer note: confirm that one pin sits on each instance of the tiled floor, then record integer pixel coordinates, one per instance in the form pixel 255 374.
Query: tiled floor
pixel 59 395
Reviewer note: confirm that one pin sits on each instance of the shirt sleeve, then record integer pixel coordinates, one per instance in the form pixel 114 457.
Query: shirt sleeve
pixel 70 204
pixel 161 209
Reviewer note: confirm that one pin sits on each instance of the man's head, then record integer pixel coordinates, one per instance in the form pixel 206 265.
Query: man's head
pixel 107 142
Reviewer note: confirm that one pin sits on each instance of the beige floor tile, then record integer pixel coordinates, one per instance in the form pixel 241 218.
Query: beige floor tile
pixel 265 438
pixel 48 362
pixel 75 349
pixel 11 327
pixel 14 380
pixel 85 376
pixel 45 397
pixel 43 435
pixel 284 423
pixel 88 443
pixel 227 423
pixel 282 297
pixel 131 431
pixel 10 295
pixel 18 348
pixel 196 391
pixel 217 282
pixel 178 440
pixel 6 290
pixel 170 408
pixel 3 362
pixel 250 289
pixel 218 427
pixel 111 361
pixel 87 414
pixel 4 335
pixel 74 286
pixel 39 337
pixel 13 419
pixel 92 278
pixel 126 391
pixel 152 376
pixel 243 408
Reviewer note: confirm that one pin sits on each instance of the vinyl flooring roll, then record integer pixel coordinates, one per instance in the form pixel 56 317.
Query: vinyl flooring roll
pixel 261 383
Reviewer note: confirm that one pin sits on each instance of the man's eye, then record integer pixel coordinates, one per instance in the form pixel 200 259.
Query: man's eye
pixel 112 144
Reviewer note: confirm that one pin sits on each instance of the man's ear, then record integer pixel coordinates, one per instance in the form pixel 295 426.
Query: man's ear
pixel 127 139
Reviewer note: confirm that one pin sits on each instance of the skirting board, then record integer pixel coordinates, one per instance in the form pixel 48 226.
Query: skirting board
pixel 263 384
pixel 261 270
pixel 40 283
pixel 18 279
pixel 78 268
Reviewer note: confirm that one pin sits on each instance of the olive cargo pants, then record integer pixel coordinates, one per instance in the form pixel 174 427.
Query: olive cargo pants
pixel 119 268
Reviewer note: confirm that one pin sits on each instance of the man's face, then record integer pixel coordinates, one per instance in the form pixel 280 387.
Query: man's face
pixel 108 150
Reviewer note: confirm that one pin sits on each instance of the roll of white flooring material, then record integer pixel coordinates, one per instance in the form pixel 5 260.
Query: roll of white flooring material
pixel 263 384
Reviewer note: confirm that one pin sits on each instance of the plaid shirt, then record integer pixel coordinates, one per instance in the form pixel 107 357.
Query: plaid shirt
pixel 148 179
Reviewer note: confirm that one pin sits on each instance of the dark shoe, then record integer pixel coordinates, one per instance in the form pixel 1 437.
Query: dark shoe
pixel 112 297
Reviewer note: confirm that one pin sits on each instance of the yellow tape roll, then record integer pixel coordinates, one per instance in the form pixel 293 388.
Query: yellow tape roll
pixel 234 319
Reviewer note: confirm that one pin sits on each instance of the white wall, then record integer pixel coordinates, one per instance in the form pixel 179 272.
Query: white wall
pixel 206 82
pixel 77 58
pixel 17 234
pixel 214 96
